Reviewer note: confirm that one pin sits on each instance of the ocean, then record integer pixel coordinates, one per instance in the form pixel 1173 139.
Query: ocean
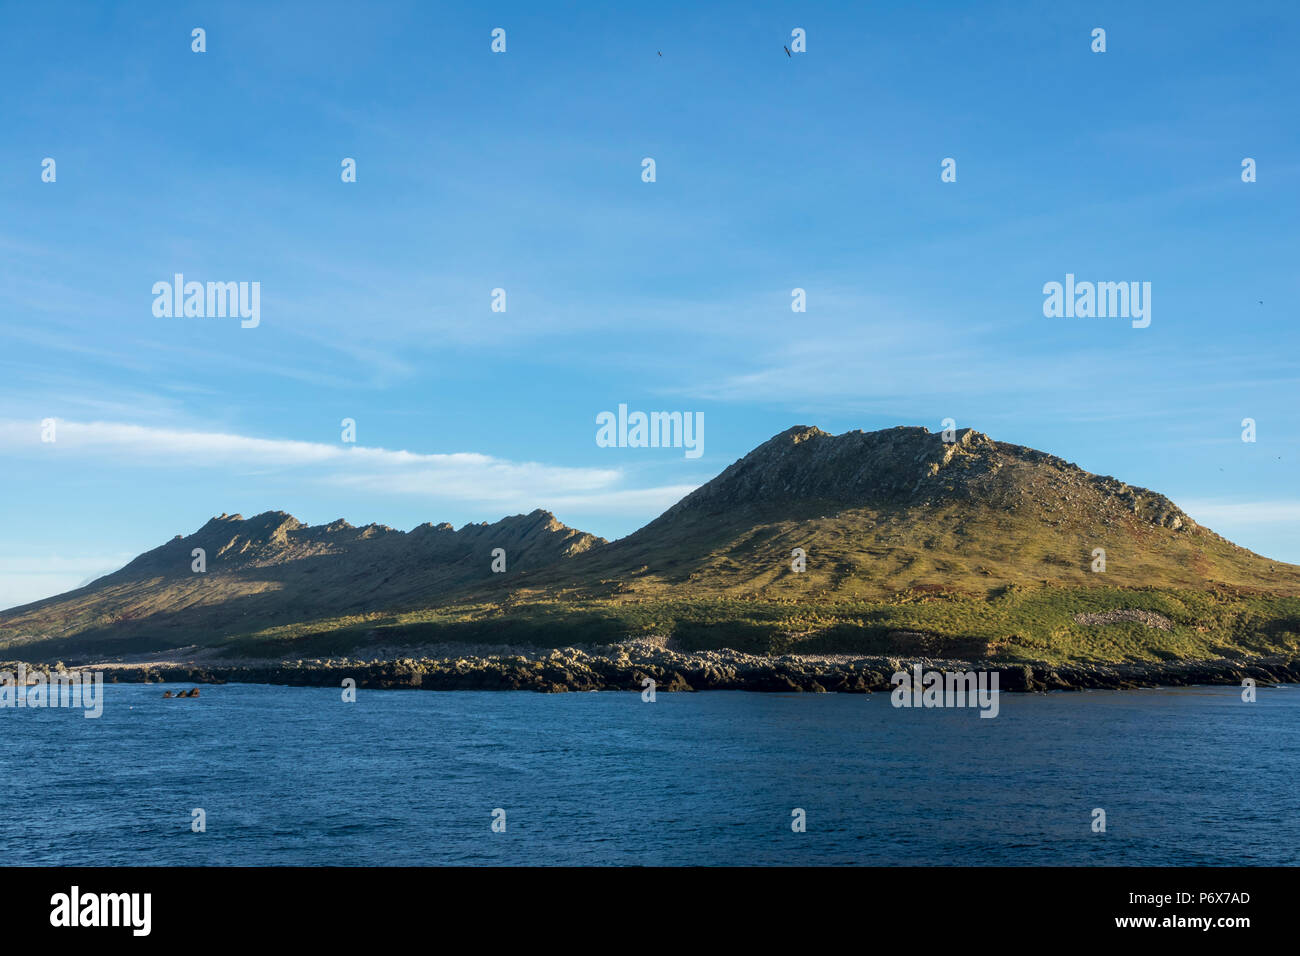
pixel 290 775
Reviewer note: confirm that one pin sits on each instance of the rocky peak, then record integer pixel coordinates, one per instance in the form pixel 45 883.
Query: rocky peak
pixel 910 466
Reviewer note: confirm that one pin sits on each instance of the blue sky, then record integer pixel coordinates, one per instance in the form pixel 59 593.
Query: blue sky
pixel 522 171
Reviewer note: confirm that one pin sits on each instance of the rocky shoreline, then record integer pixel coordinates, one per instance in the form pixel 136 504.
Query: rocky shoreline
pixel 626 666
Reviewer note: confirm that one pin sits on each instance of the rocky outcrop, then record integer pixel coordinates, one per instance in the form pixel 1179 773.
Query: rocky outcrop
pixel 906 465
pixel 1145 618
pixel 626 667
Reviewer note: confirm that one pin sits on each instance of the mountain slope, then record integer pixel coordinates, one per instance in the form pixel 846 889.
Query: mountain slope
pixel 967 547
pixel 879 513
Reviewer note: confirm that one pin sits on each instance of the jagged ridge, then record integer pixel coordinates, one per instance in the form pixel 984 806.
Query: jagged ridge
pixel 271 570
pixel 232 542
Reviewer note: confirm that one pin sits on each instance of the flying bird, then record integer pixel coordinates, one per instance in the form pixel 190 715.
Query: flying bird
pixel 660 52
pixel 787 50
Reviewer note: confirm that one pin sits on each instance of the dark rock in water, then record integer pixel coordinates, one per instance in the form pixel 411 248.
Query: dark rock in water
pixel 1018 677
pixel 194 692
pixel 166 694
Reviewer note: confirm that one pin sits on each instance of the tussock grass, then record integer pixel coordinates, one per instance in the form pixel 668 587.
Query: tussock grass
pixel 1012 623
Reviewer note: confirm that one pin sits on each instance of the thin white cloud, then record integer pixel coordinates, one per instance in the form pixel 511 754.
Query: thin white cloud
pixel 1242 513
pixel 651 501
pixel 27 579
pixel 98 565
pixel 17 590
pixel 457 476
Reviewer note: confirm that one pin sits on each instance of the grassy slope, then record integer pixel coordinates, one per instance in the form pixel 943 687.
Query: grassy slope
pixel 1017 624
pixel 983 585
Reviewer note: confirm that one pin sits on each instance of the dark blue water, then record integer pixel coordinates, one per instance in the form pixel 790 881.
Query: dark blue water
pixel 296 776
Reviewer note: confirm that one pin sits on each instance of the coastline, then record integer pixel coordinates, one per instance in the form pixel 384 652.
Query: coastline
pixel 625 666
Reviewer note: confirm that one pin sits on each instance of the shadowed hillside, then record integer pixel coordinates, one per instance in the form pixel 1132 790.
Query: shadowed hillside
pixel 272 570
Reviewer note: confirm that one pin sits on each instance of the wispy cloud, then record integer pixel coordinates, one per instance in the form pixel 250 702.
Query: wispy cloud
pixel 649 501
pixel 875 369
pixel 97 565
pixel 462 476
pixel 24 579
pixel 1217 514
